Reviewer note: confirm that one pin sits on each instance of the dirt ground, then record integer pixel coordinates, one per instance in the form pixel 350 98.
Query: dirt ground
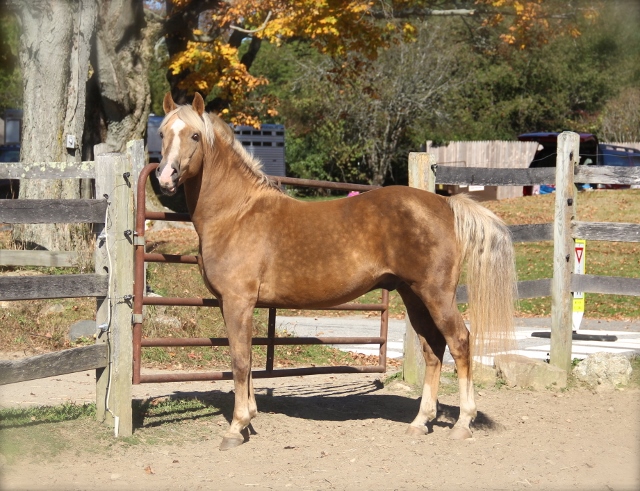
pixel 337 432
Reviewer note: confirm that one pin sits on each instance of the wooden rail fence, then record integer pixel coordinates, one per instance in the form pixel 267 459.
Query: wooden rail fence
pixel 111 283
pixel 425 174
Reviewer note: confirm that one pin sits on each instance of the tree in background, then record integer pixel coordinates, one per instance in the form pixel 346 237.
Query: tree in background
pixel 10 76
pixel 84 67
pixel 355 131
pixel 620 120
pixel 564 83
pixel 54 57
pixel 118 89
pixel 621 117
pixel 212 44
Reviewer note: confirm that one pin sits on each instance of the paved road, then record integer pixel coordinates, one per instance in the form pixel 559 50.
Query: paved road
pixel 627 334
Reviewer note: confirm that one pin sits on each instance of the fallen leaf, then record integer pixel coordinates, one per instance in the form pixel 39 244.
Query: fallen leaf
pixel 149 470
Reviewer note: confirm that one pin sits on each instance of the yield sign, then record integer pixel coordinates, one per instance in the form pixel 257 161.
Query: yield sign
pixel 579 252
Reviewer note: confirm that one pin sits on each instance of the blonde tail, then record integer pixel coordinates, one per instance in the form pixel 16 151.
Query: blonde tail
pixel 487 248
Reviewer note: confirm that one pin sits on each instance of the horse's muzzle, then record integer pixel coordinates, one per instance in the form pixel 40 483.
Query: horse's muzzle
pixel 168 175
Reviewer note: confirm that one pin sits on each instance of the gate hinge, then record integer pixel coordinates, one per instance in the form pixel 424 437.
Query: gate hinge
pixel 136 319
pixel 138 241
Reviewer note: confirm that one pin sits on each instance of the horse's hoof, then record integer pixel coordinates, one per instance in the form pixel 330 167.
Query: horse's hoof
pixel 416 430
pixel 229 442
pixel 460 433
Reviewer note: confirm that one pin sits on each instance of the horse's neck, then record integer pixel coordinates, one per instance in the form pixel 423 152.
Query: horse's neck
pixel 220 191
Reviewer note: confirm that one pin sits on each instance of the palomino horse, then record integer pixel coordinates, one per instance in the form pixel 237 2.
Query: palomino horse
pixel 259 245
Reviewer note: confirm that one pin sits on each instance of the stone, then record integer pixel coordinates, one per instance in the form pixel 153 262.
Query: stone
pixel 82 329
pixel 56 308
pixel 604 371
pixel 167 321
pixel 484 375
pixel 520 371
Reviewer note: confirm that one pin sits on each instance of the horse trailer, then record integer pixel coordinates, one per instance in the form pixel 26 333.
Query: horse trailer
pixel 266 144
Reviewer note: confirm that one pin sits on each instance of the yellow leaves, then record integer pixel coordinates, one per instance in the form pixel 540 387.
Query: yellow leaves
pixel 508 38
pixel 180 4
pixel 591 14
pixel 202 86
pixel 409 32
pixel 532 22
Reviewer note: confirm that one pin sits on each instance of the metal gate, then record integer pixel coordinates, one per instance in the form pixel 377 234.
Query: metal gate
pixel 271 341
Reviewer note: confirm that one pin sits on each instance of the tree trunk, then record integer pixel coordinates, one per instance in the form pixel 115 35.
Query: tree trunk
pixel 54 56
pixel 123 48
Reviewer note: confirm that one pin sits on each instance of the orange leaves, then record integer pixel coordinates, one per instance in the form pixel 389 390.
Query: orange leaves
pixel 334 27
pixel 530 23
pixel 216 66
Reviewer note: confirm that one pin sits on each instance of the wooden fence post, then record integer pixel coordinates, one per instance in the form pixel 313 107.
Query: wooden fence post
pixel 135 153
pixel 561 300
pixel 422 175
pixel 114 257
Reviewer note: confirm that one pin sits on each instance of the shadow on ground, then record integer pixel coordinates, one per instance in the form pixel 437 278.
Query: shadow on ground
pixel 328 402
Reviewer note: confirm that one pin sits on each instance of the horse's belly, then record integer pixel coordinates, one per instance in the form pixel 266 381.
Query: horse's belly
pixel 322 290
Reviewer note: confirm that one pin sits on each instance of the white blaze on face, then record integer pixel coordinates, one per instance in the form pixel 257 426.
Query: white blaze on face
pixel 173 152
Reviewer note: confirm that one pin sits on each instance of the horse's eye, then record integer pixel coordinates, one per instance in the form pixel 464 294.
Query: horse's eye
pixel 195 137
pixel 161 135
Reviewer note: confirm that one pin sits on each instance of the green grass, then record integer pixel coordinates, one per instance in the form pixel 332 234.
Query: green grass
pixel 44 414
pixel 22 433
pixel 634 380
pixel 44 432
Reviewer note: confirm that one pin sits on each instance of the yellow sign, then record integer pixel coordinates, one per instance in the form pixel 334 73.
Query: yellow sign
pixel 579 268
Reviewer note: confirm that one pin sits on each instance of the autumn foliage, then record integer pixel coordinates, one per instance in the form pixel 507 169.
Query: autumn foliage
pixel 351 32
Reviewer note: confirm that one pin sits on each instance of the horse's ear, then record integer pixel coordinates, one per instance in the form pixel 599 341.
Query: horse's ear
pixel 167 104
pixel 198 104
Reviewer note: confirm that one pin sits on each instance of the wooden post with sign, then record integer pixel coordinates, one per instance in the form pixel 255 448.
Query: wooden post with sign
pixel 422 175
pixel 563 250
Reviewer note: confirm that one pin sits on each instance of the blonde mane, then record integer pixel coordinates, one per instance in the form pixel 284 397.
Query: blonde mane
pixel 212 125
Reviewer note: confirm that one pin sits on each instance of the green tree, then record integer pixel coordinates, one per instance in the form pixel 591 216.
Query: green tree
pixel 10 76
pixel 356 130
pixel 563 84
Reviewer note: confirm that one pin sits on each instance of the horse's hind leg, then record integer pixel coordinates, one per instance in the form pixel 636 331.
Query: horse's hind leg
pixel 433 346
pixel 446 316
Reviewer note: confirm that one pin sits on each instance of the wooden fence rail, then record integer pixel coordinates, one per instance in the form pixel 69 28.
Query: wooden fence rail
pixel 583 174
pixel 53 211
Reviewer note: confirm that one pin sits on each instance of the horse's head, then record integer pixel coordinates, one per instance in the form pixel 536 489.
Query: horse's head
pixel 183 132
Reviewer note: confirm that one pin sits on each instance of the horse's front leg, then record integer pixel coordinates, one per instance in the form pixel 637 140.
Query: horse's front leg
pixel 238 319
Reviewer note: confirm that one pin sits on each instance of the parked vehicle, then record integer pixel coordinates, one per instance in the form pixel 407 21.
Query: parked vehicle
pixel 592 152
pixel 154 143
pixel 9 187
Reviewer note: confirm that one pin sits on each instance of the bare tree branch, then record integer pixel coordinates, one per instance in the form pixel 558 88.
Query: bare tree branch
pixel 253 31
pixel 421 12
